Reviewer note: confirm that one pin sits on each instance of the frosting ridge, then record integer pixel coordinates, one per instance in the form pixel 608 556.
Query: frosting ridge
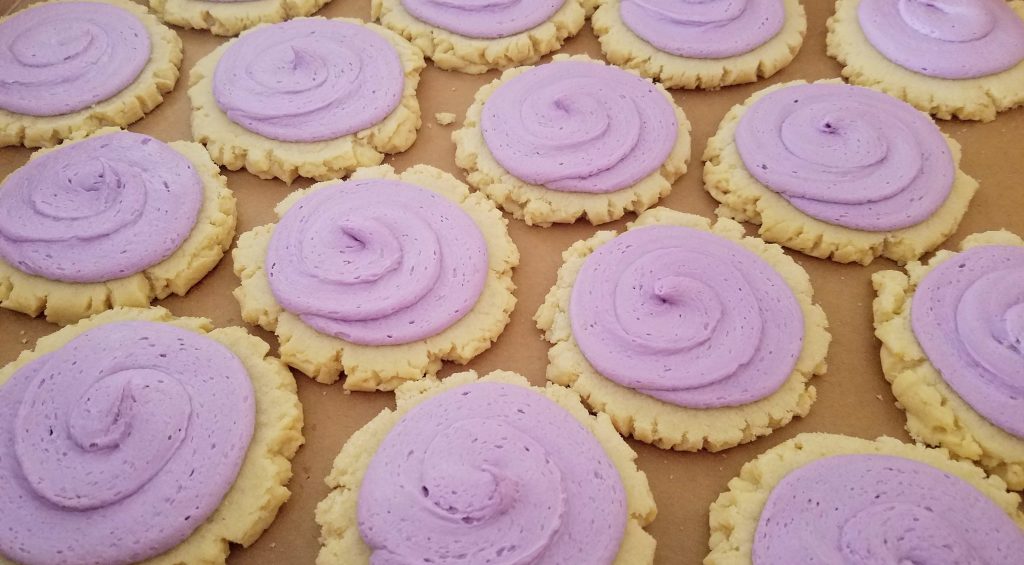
pixel 704 29
pixel 483 19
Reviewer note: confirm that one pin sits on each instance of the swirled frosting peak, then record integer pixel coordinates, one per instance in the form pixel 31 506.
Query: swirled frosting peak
pixel 968 315
pixel 950 39
pixel 686 317
pixel 377 262
pixel 309 79
pixel 114 448
pixel 882 510
pixel 99 209
pixel 847 155
pixel 491 473
pixel 577 126
pixel 483 19
pixel 704 29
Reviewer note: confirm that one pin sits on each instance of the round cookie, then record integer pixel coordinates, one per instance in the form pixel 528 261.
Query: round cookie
pixel 954 60
pixel 701 44
pixel 310 97
pixel 231 17
pixel 545 429
pixel 828 498
pixel 672 349
pixel 54 92
pixel 444 292
pixel 78 224
pixel 132 404
pixel 555 143
pixel 850 181
pixel 943 399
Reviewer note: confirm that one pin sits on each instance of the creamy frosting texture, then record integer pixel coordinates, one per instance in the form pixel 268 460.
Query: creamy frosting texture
pixel 847 155
pixel 491 473
pixel 951 39
pixel 100 209
pixel 114 448
pixel 686 317
pixel 309 79
pixel 579 127
pixel 968 315
pixel 377 262
pixel 704 29
pixel 881 510
pixel 483 19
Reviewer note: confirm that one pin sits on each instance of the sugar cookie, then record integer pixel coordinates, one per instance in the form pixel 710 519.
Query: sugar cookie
pixel 231 17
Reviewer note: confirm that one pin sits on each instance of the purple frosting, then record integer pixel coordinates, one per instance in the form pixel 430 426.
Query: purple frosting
pixel 309 79
pixel 951 39
pixel 100 209
pixel 704 29
pixel 377 262
pixel 847 155
pixel 114 448
pixel 576 126
pixel 491 473
pixel 687 317
pixel 968 315
pixel 60 58
pixel 483 19
pixel 880 510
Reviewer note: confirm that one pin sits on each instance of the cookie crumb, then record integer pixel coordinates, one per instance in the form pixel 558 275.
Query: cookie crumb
pixel 445 118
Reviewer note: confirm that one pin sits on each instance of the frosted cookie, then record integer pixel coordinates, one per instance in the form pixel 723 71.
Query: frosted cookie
pixel 309 97
pixel 689 335
pixel 135 436
pixel 824 498
pixel 948 58
pixel 952 333
pixel 381 277
pixel 115 219
pixel 701 44
pixel 231 17
pixel 486 470
pixel 573 138
pixel 112 64
pixel 838 172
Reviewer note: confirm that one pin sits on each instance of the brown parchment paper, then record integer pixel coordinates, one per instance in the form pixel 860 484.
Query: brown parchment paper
pixel 853 398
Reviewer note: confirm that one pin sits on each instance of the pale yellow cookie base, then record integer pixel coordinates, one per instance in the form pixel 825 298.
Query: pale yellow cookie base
pixel 968 99
pixel 367 368
pixel 736 512
pixel 259 491
pixel 936 414
pixel 626 49
pixel 231 18
pixel 157 78
pixel 666 425
pixel 235 147
pixel 744 198
pixel 540 206
pixel 67 302
pixel 336 514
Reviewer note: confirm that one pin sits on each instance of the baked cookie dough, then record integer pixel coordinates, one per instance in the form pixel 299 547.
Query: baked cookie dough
pixel 231 17
pixel 953 60
pixel 825 498
pixel 688 335
pixel 426 276
pixel 948 403
pixel 704 45
pixel 573 138
pixel 113 219
pixel 114 63
pixel 838 172
pixel 133 450
pixel 464 434
pixel 309 97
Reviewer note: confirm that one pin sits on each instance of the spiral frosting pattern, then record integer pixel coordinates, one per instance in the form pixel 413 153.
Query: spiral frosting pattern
pixel 576 126
pixel 882 510
pixel 309 79
pixel 483 19
pixel 686 317
pixel 491 473
pixel 704 29
pixel 123 441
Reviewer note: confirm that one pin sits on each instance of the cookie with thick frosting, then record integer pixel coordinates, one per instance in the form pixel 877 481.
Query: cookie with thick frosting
pixel 231 17
pixel 838 171
pixel 113 64
pixel 141 437
pixel 114 219
pixel 491 469
pixel 689 335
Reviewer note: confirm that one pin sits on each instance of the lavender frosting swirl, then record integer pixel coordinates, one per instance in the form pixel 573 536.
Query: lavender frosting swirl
pixel 704 29
pixel 483 19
